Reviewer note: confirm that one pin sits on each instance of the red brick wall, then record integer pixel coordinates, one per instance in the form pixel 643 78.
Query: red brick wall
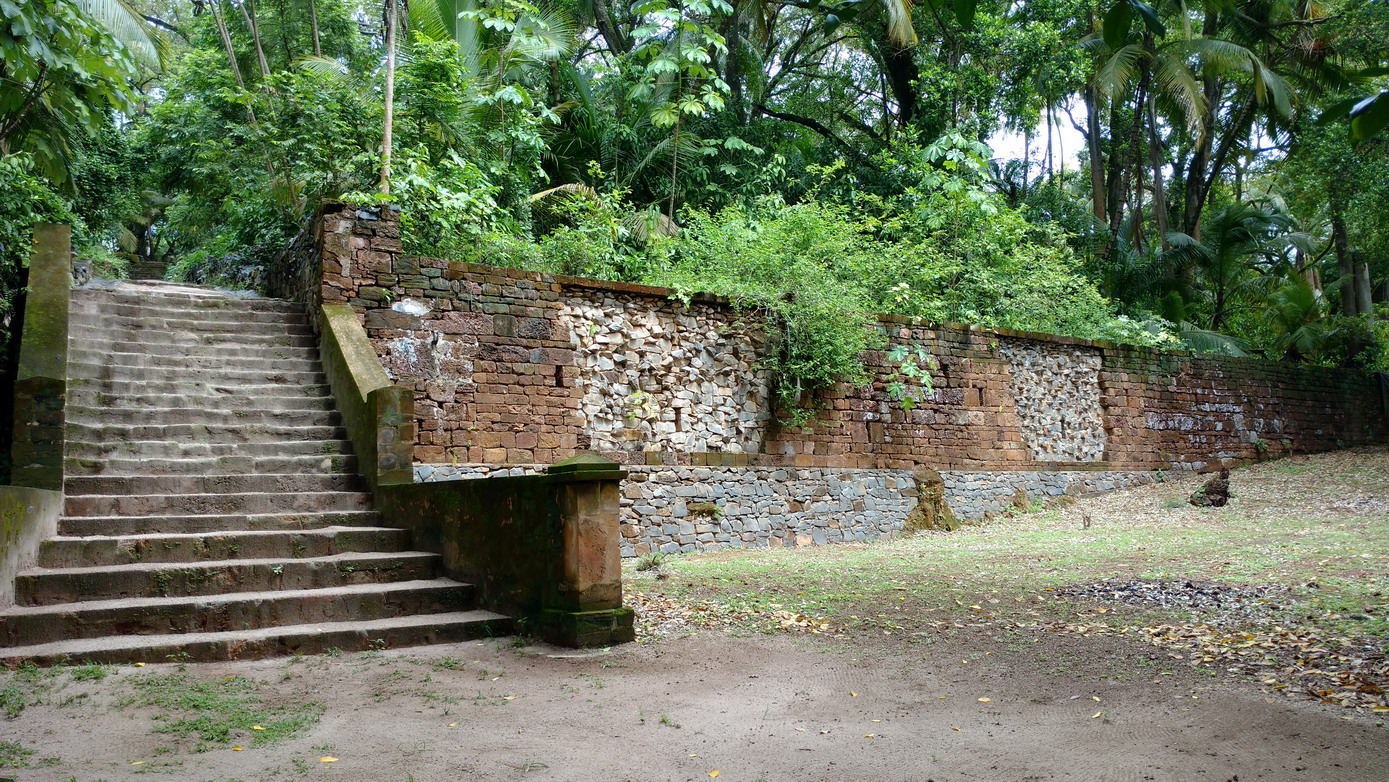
pixel 495 380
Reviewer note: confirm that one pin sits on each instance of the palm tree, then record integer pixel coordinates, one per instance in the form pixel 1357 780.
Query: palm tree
pixel 1240 246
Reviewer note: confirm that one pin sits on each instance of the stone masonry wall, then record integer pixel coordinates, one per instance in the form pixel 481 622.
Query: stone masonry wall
pixel 665 376
pixel 676 509
pixel 1057 390
pixel 512 368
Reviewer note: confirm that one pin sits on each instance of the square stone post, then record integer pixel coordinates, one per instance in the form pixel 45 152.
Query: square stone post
pixel 583 607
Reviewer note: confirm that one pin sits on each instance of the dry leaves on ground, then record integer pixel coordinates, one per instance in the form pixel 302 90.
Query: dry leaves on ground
pixel 661 616
pixel 1299 662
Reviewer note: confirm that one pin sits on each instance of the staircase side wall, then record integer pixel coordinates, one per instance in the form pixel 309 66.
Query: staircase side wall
pixel 40 392
pixel 27 517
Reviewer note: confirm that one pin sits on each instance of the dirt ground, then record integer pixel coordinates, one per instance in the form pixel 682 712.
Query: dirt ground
pixel 762 708
pixel 964 698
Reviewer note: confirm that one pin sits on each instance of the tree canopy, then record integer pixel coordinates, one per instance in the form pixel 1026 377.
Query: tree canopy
pixel 812 159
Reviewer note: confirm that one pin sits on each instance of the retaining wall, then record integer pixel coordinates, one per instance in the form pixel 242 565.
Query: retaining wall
pixel 511 368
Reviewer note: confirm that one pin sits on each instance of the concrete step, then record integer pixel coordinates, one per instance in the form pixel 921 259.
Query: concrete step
pixel 282 326
pixel 102 336
pixel 315 464
pixel 144 295
pixel 232 612
pixel 186 307
pixel 90 454
pixel 102 550
pixel 201 416
pixel 228 350
pixel 189 295
pixel 179 364
pixel 213 523
pixel 53 586
pixel 88 397
pixel 87 370
pixel 192 388
pixel 84 485
pixel 203 504
pixel 395 632
pixel 246 433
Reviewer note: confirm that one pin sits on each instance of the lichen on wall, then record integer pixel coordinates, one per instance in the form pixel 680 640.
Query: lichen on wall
pixel 666 376
pixel 1057 390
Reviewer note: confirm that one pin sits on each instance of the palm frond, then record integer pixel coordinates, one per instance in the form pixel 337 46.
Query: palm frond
pixel 1178 84
pixel 1115 73
pixel 128 26
pixel 900 31
pixel 1207 341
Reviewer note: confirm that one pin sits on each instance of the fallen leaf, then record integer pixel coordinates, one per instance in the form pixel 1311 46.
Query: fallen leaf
pixel 868 735
pixel 714 773
pixel 1096 714
pixel 1095 698
pixel 257 727
pixel 509 698
pixel 853 694
pixel 138 763
pixel 802 730
pixel 453 724
pixel 140 665
pixel 985 700
pixel 952 727
pixel 327 759
pixel 237 748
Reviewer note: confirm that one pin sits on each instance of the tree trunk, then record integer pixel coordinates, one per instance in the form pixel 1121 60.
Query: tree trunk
pixel 1115 176
pixel 733 63
pixel 1345 260
pixel 618 42
pixel 902 74
pixel 1195 195
pixel 248 11
pixel 1364 298
pixel 1159 191
pixel 1092 139
pixel 222 30
pixel 313 25
pixel 392 22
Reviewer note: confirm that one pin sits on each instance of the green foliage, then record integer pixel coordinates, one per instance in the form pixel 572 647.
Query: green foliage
pixel 25 199
pixel 216 712
pixel 61 73
pixel 793 264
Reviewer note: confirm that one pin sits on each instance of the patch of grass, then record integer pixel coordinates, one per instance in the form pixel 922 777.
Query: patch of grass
pixel 1325 524
pixel 651 561
pixel 668 722
pixel 12 701
pixel 91 672
pixel 16 755
pixel 213 711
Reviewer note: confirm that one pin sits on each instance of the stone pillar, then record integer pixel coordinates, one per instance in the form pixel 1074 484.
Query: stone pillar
pixel 40 389
pixel 584 605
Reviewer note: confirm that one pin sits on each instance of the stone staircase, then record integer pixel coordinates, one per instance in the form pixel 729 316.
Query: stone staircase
pixel 213 510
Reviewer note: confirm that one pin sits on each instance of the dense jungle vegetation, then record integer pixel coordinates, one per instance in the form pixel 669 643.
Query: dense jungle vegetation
pixel 816 159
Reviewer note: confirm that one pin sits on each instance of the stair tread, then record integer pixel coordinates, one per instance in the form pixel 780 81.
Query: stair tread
pixel 172 536
pixel 119 643
pixel 145 567
pixel 136 603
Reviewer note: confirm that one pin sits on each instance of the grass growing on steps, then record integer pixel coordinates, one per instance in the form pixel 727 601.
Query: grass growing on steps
pixel 224 712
